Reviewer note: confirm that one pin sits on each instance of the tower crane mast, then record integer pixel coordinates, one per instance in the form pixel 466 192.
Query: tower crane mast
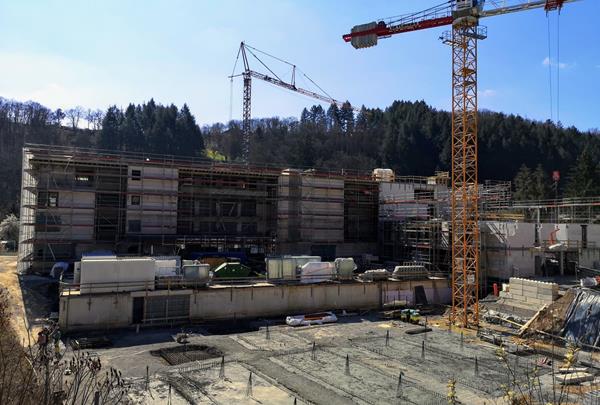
pixel 464 17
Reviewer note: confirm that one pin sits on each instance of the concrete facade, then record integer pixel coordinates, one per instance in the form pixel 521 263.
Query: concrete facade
pixel 509 248
pixel 115 310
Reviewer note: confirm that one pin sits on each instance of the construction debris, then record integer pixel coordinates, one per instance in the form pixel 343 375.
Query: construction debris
pixel 574 378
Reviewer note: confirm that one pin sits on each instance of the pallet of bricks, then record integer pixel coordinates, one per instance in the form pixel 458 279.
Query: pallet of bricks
pixel 532 292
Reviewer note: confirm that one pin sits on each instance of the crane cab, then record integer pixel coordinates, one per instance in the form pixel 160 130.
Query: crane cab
pixel 468 4
pixel 467 8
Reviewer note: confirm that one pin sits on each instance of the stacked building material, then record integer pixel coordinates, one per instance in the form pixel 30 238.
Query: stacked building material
pixel 532 293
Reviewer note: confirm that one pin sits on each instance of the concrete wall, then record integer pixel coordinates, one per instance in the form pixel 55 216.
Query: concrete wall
pixel 95 311
pixel 100 311
pixel 157 189
pixel 507 246
pixel 312 206
pixel 75 213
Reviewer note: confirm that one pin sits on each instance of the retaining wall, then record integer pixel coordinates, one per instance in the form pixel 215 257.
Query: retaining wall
pixel 115 310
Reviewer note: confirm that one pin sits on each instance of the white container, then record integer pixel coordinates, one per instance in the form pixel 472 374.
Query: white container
pixel 345 267
pixel 375 275
pixel 198 272
pixel 409 271
pixel 316 272
pixel 165 267
pixel 384 175
pixel 77 273
pixel 287 267
pixel 112 275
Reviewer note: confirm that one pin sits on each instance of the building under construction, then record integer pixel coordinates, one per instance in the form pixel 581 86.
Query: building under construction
pixel 80 200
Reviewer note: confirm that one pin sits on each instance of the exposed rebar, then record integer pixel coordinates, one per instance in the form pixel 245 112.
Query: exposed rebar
pixel 347 371
pixel 249 386
pixel 222 369
pixel 399 388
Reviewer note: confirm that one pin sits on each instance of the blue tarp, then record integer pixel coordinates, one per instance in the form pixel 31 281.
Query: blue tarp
pixel 582 322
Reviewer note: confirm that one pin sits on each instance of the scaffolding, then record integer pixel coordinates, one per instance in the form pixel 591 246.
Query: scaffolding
pixel 414 217
pixel 414 214
pixel 75 200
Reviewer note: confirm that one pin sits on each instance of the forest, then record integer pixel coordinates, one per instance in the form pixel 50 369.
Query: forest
pixel 410 137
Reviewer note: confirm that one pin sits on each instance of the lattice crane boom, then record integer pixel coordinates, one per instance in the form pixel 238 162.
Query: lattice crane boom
pixel 464 17
pixel 247 76
pixel 366 35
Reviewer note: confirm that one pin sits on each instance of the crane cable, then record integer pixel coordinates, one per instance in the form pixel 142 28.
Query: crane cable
pixel 558 67
pixel 231 85
pixel 550 69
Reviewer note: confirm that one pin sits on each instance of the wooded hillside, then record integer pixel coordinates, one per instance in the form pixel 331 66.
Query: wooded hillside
pixel 410 137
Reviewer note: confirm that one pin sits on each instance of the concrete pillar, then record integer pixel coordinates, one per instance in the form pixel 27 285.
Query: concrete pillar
pixel 562 262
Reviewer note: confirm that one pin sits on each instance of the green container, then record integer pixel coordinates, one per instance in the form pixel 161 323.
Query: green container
pixel 232 270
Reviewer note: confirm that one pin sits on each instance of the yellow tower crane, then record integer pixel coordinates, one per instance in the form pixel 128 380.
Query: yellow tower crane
pixel 464 16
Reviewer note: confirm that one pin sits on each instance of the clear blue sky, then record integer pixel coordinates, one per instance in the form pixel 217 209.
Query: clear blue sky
pixel 98 53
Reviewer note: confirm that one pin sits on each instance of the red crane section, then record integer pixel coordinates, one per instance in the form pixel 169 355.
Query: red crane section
pixel 366 35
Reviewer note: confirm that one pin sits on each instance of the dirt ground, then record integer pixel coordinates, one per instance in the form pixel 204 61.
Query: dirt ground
pixel 9 279
pixel 28 297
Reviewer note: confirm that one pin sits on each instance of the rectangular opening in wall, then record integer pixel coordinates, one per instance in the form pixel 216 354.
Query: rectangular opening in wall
pixel 136 174
pixel 228 209
pixel 249 228
pixel 249 208
pixel 202 208
pixel 134 225
pixel 45 222
pixel 47 199
pixel 84 177
pixel 136 200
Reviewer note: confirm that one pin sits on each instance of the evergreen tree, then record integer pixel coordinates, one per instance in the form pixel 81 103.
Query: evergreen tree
pixel 524 184
pixel 542 187
pixel 584 178
pixel 133 136
pixel 111 134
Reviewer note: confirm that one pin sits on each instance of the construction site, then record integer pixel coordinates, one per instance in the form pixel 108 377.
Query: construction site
pixel 215 282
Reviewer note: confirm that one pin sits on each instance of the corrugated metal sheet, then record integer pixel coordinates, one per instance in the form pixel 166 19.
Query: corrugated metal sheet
pixel 170 307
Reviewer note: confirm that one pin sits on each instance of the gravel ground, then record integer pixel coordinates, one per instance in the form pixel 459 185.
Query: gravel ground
pixel 285 367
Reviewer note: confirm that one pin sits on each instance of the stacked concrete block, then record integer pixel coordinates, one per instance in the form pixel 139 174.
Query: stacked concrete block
pixel 532 293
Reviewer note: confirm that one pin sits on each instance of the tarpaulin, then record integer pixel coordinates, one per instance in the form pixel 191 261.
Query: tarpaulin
pixel 582 322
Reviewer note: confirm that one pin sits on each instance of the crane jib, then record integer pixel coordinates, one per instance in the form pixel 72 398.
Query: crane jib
pixel 386 31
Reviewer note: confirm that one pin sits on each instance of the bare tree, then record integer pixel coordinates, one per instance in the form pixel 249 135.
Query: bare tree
pixel 89 117
pixel 98 116
pixel 74 115
pixel 41 374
